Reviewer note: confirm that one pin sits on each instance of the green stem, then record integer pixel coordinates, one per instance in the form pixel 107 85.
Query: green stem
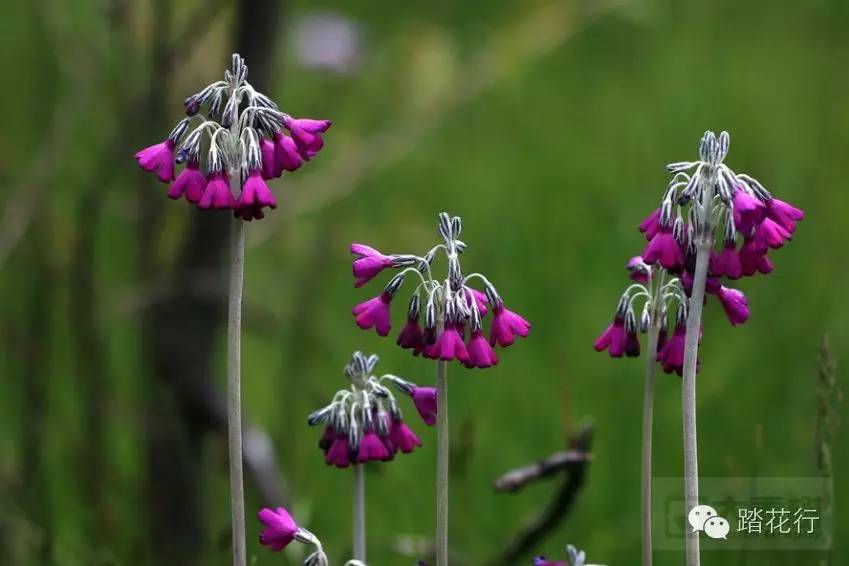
pixel 688 397
pixel 442 452
pixel 359 513
pixel 234 396
pixel 648 420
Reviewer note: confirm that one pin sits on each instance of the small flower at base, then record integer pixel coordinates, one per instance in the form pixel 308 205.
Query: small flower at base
pixel 189 183
pixel 286 153
pixel 425 400
pixel 306 134
pixel 481 354
pixel 374 313
pixel 270 167
pixel 280 528
pixel 543 561
pixel 368 263
pixel 339 454
pixel 255 196
pixel 506 325
pixel 727 262
pixel 753 257
pixel 638 270
pixel 411 337
pixel 403 437
pixel 735 304
pixel 449 345
pixel 614 338
pixel 372 448
pixel 217 193
pixel 665 249
pixel 159 159
pixel 651 225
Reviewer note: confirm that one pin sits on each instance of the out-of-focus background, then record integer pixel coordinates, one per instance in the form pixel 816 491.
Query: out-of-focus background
pixel 545 124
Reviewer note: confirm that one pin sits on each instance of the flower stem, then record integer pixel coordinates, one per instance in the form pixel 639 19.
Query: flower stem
pixel 234 400
pixel 442 452
pixel 648 421
pixel 688 397
pixel 359 513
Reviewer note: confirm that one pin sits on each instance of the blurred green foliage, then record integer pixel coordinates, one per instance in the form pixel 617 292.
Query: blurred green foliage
pixel 546 125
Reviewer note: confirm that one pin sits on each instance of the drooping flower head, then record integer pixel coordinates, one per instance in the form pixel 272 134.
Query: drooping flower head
pixel 281 529
pixel 454 311
pixel 364 422
pixel 576 558
pixel 705 202
pixel 247 145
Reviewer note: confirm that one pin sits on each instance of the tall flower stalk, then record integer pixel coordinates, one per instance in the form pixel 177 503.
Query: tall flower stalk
pixel 453 328
pixel 703 199
pixel 237 145
pixel 364 423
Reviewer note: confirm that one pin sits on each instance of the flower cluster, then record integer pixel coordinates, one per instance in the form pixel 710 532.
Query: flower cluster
pixel 713 199
pixel 247 144
pixel 453 310
pixel 365 423
pixel 281 529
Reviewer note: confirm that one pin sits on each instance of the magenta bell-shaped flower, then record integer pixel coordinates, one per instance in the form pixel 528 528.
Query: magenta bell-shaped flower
pixel 375 313
pixel 159 159
pixel 217 193
pixel 368 263
pixel 189 183
pixel 286 153
pixel 411 337
pixel 403 437
pixel 506 325
pixel 306 134
pixel 749 212
pixel 727 262
pixel 614 338
pixel 785 214
pixel 448 346
pixel 651 225
pixel 254 197
pixel 425 400
pixel 481 353
pixel 735 304
pixel 339 454
pixel 665 249
pixel 372 449
pixel 280 528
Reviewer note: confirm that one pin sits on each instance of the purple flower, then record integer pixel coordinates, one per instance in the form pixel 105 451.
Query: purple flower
pixel 338 455
pixel 614 338
pixel 306 134
pixel 753 257
pixel 286 153
pixel 159 159
pixel 403 437
pixel 481 354
pixel 638 270
pixel 270 167
pixel 255 195
pixel 327 438
pixel 727 262
pixel 368 263
pixel 190 182
pixel 671 356
pixel 411 337
pixel 372 448
pixel 280 528
pixel 632 345
pixel 735 305
pixel 217 193
pixel 543 561
pixel 424 398
pixel 506 325
pixel 374 313
pixel 651 224
pixel 666 249
pixel 449 346
pixel 771 234
pixel 786 215
pixel 749 211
